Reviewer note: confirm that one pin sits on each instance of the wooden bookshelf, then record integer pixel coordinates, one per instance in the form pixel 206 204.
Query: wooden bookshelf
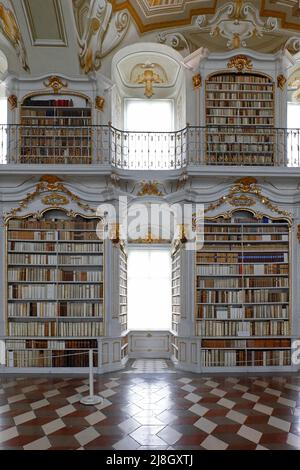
pixel 55 130
pixel 240 115
pixel 243 292
pixel 55 289
pixel 123 290
pixel 176 297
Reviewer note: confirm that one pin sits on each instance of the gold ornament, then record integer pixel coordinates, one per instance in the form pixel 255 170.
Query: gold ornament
pixel 149 188
pixel 99 103
pixel 240 63
pixel 197 81
pixel 55 200
pixel 13 102
pixel 55 83
pixel 281 81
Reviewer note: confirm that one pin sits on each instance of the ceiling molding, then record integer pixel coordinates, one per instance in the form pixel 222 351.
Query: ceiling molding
pixel 60 40
pixel 143 28
pixel 283 16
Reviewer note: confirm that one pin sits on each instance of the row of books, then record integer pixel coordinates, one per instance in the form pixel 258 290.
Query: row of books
pixel 240 78
pixel 52 291
pixel 233 136
pixel 244 238
pixel 55 224
pixel 221 358
pixel 37 358
pixel 55 151
pixel 236 94
pixel 38 259
pixel 266 343
pixel 243 328
pixel 257 229
pixel 241 296
pixel 244 246
pixel 253 312
pixel 245 270
pixel 246 159
pixel 53 275
pixel 45 329
pixel 252 103
pixel 237 112
pixel 55 247
pixel 240 121
pixel 242 257
pixel 30 102
pixel 233 283
pixel 52 236
pixel 52 309
pixel 18 344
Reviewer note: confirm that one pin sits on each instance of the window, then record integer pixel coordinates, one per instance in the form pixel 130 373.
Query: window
pixel 293 122
pixel 149 115
pixel 3 129
pixel 150 143
pixel 149 289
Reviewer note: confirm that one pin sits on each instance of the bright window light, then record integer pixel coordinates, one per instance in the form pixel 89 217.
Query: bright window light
pixel 293 122
pixel 3 129
pixel 2 352
pixel 293 116
pixel 149 289
pixel 149 115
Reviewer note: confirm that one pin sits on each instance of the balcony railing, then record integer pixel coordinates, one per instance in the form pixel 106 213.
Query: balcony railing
pixel 105 145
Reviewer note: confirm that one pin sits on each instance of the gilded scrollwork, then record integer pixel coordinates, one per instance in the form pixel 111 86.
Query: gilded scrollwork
pixel 246 185
pixel 53 184
pixel 11 30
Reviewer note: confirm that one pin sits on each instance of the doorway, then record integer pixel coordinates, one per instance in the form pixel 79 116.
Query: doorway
pixel 149 289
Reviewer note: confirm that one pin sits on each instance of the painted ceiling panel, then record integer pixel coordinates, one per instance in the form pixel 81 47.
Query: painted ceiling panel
pixel 45 22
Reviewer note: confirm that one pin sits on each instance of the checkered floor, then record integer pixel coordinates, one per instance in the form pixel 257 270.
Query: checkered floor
pixel 151 411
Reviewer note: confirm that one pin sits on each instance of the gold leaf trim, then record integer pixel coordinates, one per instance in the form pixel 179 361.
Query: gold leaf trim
pixel 240 63
pixel 55 83
pixel 49 183
pixel 247 185
pixel 281 81
pixel 149 188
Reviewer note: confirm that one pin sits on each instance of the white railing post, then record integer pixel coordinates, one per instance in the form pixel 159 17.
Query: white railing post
pixel 91 399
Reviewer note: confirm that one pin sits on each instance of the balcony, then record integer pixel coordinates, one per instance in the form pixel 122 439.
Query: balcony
pixel 105 145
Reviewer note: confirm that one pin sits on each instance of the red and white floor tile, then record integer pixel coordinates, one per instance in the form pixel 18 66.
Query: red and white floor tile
pixel 154 409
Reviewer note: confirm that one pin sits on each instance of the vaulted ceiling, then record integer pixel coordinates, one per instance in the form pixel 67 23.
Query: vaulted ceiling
pixel 80 36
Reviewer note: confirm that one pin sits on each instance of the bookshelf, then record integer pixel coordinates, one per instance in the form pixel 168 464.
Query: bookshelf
pixel 55 290
pixel 240 115
pixel 176 294
pixel 123 292
pixel 243 292
pixel 55 130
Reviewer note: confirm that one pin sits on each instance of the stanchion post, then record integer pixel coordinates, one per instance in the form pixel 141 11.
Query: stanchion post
pixel 91 399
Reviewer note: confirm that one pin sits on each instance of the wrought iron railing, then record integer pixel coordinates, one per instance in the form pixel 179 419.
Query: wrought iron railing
pixel 106 145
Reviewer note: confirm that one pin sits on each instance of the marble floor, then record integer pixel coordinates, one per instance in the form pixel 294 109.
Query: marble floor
pixel 151 406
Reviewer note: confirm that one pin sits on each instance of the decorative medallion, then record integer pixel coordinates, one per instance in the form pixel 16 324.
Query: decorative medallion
pixel 281 81
pixel 241 201
pixel 149 188
pixel 99 103
pixel 13 102
pixel 148 74
pixel 197 81
pixel 241 63
pixel 55 200
pixel 55 83
pixel 237 22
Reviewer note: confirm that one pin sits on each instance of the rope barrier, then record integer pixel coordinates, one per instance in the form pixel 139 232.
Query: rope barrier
pixel 91 399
